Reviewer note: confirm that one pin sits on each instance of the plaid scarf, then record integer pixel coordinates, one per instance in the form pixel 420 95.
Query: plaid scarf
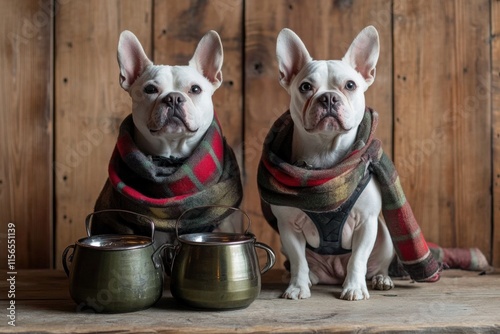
pixel 163 188
pixel 281 183
pixel 450 258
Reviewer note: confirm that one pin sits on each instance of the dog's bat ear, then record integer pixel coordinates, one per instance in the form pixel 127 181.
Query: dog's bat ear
pixel 363 53
pixel 292 56
pixel 131 58
pixel 208 58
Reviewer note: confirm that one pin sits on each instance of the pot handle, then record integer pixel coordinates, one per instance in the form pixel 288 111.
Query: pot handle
pixel 271 257
pixel 88 220
pixel 211 206
pixel 156 257
pixel 65 257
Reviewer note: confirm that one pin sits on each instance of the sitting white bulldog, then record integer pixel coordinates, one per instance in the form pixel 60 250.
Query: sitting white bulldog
pixel 171 155
pixel 324 179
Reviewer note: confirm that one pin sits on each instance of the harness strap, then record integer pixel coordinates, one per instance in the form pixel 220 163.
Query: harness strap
pixel 330 224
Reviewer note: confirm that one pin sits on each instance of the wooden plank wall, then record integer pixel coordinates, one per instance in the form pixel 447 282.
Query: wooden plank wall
pixel 89 102
pixel 495 94
pixel 442 110
pixel 437 88
pixel 26 131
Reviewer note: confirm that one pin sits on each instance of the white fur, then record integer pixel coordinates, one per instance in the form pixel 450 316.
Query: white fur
pixel 321 142
pixel 149 111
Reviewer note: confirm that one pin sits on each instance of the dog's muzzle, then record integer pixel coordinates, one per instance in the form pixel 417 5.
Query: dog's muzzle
pixel 174 100
pixel 172 112
pixel 330 102
pixel 326 113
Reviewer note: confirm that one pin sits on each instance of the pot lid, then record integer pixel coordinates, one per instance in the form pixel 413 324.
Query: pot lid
pixel 115 242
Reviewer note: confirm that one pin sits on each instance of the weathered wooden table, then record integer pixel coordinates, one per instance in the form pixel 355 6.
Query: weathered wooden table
pixel 461 302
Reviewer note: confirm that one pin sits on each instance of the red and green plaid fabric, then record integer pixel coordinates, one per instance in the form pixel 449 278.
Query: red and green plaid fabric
pixel 460 258
pixel 450 258
pixel 164 190
pixel 282 183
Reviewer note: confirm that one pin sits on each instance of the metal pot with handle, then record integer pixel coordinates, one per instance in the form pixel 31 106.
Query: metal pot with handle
pixel 114 273
pixel 217 270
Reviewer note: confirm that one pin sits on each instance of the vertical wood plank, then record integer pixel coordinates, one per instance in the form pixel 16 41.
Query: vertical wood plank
pixel 26 130
pixel 90 104
pixel 327 29
pixel 179 26
pixel 443 117
pixel 495 93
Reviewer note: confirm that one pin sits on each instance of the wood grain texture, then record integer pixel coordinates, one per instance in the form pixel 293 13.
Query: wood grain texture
pixel 442 138
pixel 470 305
pixel 495 94
pixel 90 104
pixel 26 136
pixel 327 28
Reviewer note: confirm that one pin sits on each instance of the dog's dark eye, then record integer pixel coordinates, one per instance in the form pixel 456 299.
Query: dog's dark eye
pixel 305 87
pixel 150 89
pixel 195 89
pixel 350 85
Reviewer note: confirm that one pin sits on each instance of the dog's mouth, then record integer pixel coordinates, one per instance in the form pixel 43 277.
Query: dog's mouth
pixel 326 120
pixel 325 112
pixel 335 116
pixel 170 116
pixel 170 120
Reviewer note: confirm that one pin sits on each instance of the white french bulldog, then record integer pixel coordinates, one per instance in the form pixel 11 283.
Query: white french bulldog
pixel 327 106
pixel 172 111
pixel 172 105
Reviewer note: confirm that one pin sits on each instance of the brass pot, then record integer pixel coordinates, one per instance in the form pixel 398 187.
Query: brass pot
pixel 114 273
pixel 217 270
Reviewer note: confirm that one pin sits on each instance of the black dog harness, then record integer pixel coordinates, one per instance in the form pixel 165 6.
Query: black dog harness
pixel 330 224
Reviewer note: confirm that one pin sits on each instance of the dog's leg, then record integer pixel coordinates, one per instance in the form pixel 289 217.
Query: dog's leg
pixel 293 244
pixel 381 258
pixel 363 240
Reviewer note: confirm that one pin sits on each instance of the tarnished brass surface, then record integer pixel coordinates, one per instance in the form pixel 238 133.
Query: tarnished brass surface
pixel 115 280
pixel 217 270
pixel 114 273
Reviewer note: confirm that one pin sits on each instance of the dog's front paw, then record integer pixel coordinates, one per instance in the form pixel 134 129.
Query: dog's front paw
pixel 382 282
pixel 297 291
pixel 355 292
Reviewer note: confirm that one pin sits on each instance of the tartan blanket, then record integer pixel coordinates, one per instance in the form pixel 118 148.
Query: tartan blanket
pixel 282 183
pixel 164 188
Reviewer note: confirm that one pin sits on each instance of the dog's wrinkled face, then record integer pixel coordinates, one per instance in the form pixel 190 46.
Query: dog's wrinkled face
pixel 172 101
pixel 327 96
pixel 172 105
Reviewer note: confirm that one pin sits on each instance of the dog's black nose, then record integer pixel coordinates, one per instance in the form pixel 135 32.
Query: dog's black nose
pixel 330 103
pixel 328 100
pixel 174 100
